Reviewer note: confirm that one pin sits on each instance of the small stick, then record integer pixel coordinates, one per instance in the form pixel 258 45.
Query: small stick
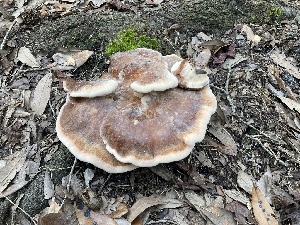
pixel 229 99
pixel 267 149
pixel 7 33
pixel 34 222
pixel 260 132
pixel 70 175
pixel 104 183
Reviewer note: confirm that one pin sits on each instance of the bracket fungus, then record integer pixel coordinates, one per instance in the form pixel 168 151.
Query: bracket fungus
pixel 148 109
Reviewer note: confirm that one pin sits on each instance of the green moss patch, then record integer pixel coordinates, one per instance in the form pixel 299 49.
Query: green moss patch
pixel 129 40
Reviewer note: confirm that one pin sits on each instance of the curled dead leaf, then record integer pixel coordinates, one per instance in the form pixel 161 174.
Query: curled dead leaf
pixel 262 210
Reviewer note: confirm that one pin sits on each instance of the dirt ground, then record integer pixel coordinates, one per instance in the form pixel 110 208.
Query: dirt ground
pixel 245 171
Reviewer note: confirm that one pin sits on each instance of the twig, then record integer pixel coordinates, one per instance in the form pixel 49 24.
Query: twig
pixel 229 99
pixel 52 110
pixel 163 221
pixel 260 132
pixel 218 88
pixel 70 175
pixel 7 34
pixel 104 183
pixel 267 149
pixel 34 222
pixel 69 183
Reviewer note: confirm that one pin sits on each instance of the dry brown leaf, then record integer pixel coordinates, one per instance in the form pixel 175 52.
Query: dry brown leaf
pixel 203 58
pixel 162 171
pixel 293 105
pixel 41 95
pixel 242 214
pixel 102 219
pixel 213 45
pixel 197 200
pixel 170 203
pixel 245 181
pixel 53 218
pixel 118 209
pixel 25 56
pixel 14 163
pixel 70 60
pixel 265 185
pixel 122 221
pixel 262 210
pixel 280 59
pixel 230 63
pixel 218 216
pixel 82 218
pixel 250 35
pixel 238 196
pixel 141 205
pixel 225 138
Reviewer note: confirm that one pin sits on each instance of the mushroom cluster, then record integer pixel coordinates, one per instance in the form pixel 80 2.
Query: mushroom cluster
pixel 148 109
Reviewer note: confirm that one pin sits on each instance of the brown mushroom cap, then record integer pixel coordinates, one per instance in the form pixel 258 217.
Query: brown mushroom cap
pixel 165 130
pixel 78 126
pixel 130 127
pixel 90 89
pixel 143 70
pixel 187 76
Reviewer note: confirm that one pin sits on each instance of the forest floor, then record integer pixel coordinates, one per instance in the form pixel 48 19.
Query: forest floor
pixel 245 171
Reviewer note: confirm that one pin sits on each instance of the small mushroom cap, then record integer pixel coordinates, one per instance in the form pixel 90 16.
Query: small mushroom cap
pixel 187 76
pixel 171 60
pixel 163 130
pixel 89 89
pixel 143 69
pixel 77 127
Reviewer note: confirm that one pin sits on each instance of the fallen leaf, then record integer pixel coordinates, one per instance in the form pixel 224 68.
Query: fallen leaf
pixel 162 171
pixel 41 95
pixel 70 60
pixel 83 216
pixel 293 105
pixel 141 205
pixel 53 218
pixel 25 56
pixel 102 219
pixel 14 163
pixel 262 210
pixel 242 214
pixel 230 63
pixel 245 181
pixel 203 58
pixel 217 216
pixel 170 203
pixel 250 35
pixel 225 138
pixel 213 45
pixel 265 185
pixel 237 196
pixel 280 59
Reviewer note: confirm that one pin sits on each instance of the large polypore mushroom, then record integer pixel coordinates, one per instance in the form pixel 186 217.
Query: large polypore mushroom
pixel 136 115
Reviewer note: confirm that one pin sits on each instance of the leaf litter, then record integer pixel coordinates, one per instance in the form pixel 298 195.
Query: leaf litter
pixel 22 120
